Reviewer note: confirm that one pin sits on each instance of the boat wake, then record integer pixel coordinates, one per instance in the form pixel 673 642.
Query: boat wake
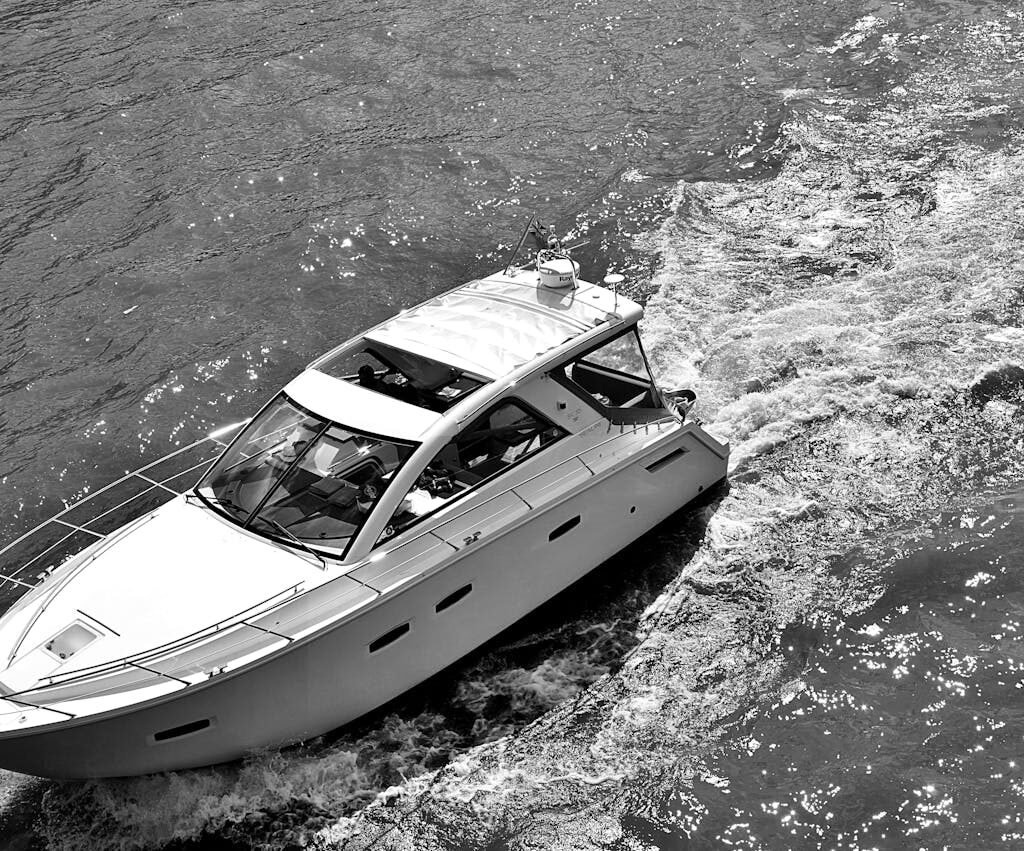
pixel 854 326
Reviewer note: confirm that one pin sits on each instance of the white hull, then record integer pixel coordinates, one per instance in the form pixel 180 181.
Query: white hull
pixel 329 678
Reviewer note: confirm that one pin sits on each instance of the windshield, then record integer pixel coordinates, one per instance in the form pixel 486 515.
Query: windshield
pixel 293 475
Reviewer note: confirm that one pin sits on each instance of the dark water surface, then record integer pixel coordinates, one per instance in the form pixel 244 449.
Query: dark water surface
pixel 820 205
pixel 902 728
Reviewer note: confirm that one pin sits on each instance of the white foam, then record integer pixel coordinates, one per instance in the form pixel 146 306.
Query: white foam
pixel 1010 336
pixel 856 35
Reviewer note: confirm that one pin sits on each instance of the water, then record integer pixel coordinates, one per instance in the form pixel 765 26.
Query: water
pixel 819 205
pixel 903 728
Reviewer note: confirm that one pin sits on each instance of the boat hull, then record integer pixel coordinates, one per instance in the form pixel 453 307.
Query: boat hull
pixel 331 678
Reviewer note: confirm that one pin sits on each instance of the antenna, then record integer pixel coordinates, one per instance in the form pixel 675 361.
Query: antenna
pixel 522 239
pixel 613 280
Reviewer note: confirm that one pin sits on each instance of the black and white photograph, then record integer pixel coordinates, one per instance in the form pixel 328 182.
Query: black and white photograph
pixel 511 426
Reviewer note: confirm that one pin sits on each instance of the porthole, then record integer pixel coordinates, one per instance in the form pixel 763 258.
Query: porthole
pixel 567 526
pixel 389 637
pixel 667 459
pixel 454 597
pixel 183 730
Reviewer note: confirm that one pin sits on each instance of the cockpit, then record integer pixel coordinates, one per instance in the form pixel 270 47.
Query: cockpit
pixel 293 475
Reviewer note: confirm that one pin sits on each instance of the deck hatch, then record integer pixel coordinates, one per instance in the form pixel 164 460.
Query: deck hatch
pixel 567 526
pixel 667 459
pixel 71 639
pixel 183 730
pixel 389 637
pixel 454 597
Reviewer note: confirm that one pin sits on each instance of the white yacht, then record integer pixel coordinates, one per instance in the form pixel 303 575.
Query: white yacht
pixel 411 494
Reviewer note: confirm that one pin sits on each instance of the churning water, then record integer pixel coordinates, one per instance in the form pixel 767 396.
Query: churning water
pixel 821 207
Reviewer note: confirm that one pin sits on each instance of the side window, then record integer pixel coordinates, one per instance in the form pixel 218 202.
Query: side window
pixel 493 442
pixel 616 377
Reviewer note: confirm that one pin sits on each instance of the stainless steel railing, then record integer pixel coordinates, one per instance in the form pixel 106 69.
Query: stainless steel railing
pixel 94 527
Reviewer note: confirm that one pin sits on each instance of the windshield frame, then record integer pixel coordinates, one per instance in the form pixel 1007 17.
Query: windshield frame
pixel 325 425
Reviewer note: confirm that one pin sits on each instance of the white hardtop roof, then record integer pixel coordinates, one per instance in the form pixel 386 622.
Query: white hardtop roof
pixel 493 325
pixel 358 408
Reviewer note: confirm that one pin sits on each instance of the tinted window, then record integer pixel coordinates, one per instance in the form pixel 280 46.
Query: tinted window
pixel 294 476
pixel 493 442
pixel 412 378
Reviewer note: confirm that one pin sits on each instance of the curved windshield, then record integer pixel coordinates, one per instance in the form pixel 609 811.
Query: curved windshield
pixel 291 474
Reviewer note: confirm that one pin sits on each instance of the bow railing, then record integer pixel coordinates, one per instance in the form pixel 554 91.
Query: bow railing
pixel 33 556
